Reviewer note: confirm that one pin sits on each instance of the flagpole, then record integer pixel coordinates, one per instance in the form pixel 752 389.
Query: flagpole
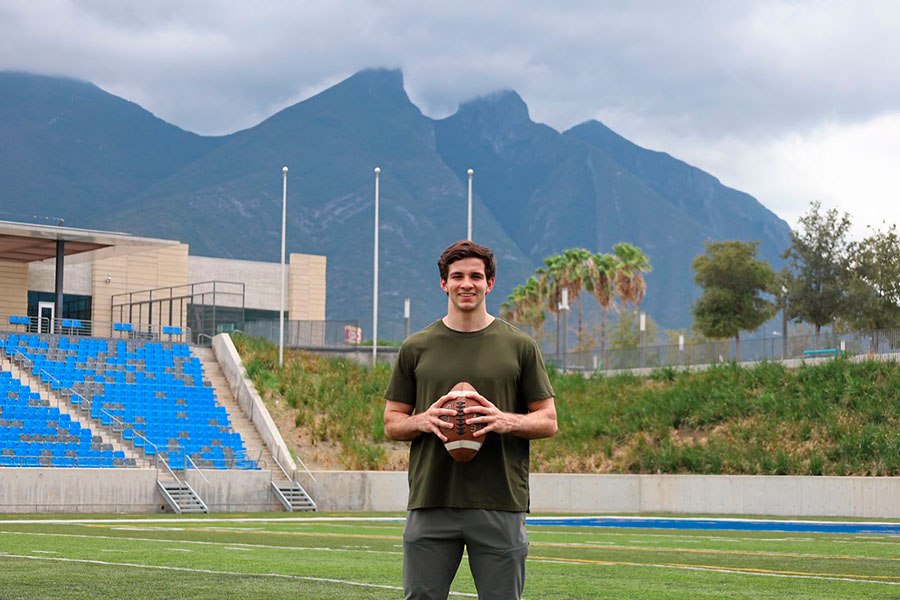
pixel 469 229
pixel 284 172
pixel 375 282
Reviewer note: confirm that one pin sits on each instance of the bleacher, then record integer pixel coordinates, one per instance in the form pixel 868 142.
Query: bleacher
pixel 35 434
pixel 152 393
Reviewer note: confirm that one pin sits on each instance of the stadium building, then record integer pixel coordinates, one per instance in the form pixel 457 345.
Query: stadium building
pixel 116 392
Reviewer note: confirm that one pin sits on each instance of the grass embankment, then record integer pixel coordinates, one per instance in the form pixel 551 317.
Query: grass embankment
pixel 838 418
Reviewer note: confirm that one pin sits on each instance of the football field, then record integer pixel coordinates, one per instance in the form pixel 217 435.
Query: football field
pixel 350 556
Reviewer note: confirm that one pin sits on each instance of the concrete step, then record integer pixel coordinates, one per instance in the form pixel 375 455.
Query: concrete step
pixel 253 442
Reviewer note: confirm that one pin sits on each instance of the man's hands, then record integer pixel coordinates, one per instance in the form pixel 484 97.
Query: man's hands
pixel 400 424
pixel 488 415
pixel 539 422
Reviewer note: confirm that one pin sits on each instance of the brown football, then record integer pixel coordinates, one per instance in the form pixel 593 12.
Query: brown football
pixel 461 442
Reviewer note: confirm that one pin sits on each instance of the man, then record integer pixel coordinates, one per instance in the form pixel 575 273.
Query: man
pixel 479 505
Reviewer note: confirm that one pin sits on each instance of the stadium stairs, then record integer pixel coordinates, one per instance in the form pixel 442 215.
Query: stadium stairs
pixel 289 493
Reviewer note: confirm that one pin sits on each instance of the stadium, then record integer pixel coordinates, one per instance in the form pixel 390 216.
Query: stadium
pixel 134 448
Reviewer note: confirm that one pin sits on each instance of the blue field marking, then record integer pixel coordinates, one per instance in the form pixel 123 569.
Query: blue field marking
pixel 721 524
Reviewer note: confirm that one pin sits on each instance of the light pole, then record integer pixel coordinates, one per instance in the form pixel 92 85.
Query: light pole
pixel 284 172
pixel 643 330
pixel 784 333
pixel 469 228
pixel 375 282
pixel 406 316
pixel 680 350
pixel 564 309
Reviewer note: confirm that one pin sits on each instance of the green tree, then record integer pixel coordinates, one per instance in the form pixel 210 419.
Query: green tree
pixel 875 287
pixel 818 256
pixel 733 281
pixel 625 333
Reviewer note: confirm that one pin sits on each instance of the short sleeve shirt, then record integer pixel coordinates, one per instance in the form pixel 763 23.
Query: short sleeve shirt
pixel 505 365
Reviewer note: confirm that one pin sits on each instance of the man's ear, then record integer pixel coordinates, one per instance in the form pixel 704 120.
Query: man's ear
pixel 490 285
pixel 444 285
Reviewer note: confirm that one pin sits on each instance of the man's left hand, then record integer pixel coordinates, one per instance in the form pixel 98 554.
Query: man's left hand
pixel 490 416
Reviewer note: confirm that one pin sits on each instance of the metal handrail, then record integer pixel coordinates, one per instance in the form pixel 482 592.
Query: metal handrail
pixel 288 477
pixel 294 477
pixel 166 465
pixel 196 468
pixel 64 326
pixel 308 472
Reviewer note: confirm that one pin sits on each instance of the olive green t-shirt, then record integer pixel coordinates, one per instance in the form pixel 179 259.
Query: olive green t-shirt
pixel 505 365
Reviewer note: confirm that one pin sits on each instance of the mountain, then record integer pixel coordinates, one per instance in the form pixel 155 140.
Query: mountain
pixel 71 150
pixel 727 213
pixel 553 191
pixel 228 202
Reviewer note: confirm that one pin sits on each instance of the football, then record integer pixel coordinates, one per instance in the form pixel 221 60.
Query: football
pixel 461 443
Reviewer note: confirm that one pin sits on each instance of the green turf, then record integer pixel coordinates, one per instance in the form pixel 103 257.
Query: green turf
pixel 221 557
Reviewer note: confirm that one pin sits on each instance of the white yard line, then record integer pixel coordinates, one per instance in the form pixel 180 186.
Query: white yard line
pixel 711 570
pixel 211 572
pixel 197 542
pixel 177 520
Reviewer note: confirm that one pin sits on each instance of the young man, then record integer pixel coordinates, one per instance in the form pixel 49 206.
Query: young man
pixel 479 505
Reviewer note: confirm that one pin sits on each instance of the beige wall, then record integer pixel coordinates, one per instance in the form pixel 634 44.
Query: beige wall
pixel 260 279
pixel 13 289
pixel 307 288
pixel 76 278
pixel 134 272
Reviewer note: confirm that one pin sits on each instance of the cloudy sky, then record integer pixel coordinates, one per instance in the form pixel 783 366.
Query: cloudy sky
pixel 789 101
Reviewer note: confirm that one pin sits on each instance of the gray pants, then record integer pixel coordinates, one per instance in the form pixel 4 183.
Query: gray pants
pixel 433 542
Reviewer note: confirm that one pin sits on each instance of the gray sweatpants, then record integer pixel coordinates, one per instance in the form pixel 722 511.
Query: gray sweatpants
pixel 433 542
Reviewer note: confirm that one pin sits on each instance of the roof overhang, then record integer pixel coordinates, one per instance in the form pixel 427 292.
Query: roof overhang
pixel 27 242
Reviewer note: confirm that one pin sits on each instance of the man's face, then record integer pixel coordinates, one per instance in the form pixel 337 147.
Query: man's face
pixel 466 284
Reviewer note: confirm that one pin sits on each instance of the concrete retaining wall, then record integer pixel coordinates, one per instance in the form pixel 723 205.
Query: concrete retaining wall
pixel 865 497
pixel 249 400
pixel 235 491
pixel 47 490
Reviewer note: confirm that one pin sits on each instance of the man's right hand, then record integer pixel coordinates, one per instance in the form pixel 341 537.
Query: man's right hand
pixel 401 425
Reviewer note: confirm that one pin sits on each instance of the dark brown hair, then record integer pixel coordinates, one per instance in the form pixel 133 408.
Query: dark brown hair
pixel 467 249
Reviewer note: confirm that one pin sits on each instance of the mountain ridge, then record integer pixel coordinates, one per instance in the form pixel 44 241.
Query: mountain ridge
pixel 537 191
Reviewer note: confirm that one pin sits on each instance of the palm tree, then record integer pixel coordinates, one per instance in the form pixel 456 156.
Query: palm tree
pixel 507 310
pixel 603 269
pixel 534 306
pixel 629 280
pixel 525 306
pixel 554 275
pixel 513 309
pixel 577 272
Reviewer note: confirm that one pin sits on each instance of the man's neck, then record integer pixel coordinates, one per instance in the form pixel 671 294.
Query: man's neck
pixel 467 322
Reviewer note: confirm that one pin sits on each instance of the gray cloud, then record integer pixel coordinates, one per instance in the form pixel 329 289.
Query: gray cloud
pixel 691 67
pixel 724 85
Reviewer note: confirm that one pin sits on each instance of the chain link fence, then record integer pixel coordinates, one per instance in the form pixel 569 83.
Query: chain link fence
pixel 307 334
pixel 752 350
